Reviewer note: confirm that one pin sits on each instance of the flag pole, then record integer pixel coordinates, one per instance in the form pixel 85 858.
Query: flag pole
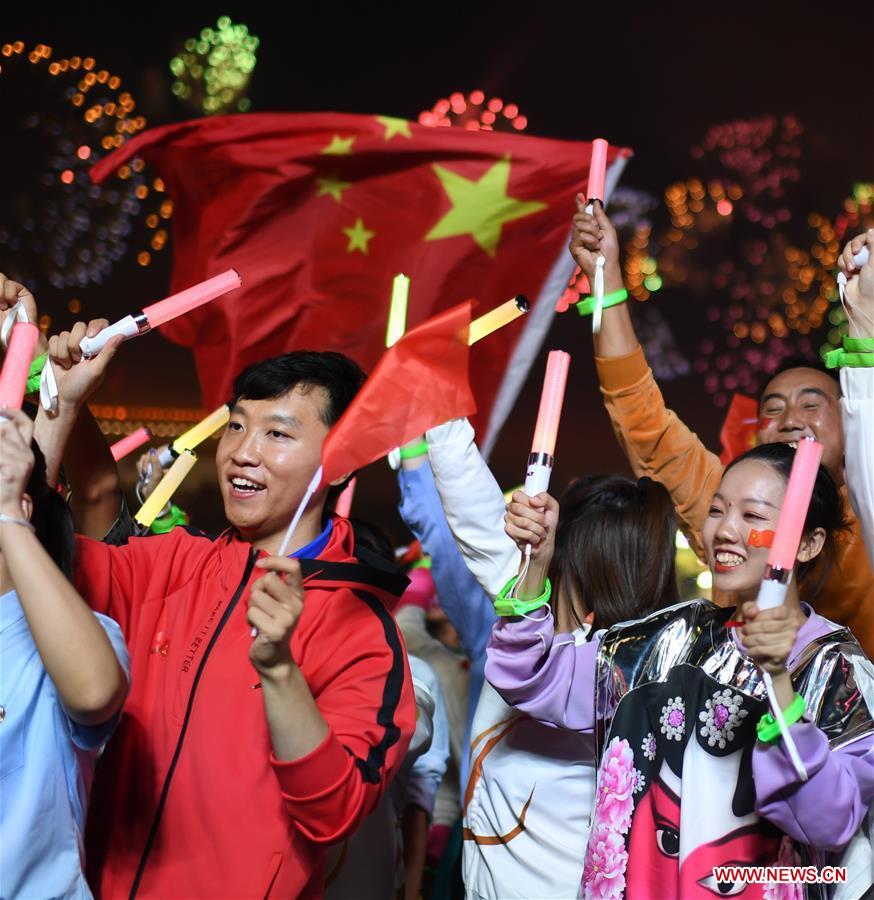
pixel 295 520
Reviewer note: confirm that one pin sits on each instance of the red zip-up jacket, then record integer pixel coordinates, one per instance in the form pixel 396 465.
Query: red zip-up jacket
pixel 189 801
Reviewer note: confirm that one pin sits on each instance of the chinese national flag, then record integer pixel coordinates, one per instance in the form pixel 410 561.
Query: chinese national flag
pixel 420 382
pixel 738 432
pixel 318 212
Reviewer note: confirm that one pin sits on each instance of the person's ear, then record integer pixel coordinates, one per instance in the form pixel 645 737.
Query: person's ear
pixel 589 618
pixel 811 545
pixel 26 506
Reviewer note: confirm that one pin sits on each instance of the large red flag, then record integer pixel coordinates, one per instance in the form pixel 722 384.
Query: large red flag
pixel 319 211
pixel 420 382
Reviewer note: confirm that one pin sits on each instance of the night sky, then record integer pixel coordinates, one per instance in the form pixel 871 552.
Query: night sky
pixel 651 77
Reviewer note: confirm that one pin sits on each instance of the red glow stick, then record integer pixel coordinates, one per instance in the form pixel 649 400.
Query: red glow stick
pixel 16 365
pixel 597 170
pixel 540 461
pixel 130 442
pixel 344 501
pixel 163 311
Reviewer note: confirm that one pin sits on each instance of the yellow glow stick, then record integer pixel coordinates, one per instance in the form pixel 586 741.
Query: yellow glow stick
pixel 497 318
pixel 198 433
pixel 397 313
pixel 160 497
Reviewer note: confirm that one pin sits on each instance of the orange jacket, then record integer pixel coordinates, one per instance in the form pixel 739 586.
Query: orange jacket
pixel 659 445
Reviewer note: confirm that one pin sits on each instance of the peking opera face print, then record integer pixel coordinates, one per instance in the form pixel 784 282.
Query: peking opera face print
pixel 675 793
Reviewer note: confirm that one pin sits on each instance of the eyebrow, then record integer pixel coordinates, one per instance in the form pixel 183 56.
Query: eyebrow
pixel 807 390
pixel 719 496
pixel 280 418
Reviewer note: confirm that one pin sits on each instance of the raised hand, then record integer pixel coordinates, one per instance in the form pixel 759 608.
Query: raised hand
pixel 859 293
pixel 531 521
pixel 593 236
pixel 78 377
pixel 769 635
pixel 275 605
pixel 10 293
pixel 16 460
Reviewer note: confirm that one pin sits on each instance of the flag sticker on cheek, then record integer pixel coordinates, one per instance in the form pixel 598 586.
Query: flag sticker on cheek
pixel 760 538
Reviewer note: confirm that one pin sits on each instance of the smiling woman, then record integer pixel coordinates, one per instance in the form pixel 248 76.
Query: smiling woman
pixel 694 774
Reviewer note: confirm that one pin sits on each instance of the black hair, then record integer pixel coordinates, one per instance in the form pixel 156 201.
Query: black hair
pixel 51 517
pixel 826 511
pixel 340 376
pixel 803 362
pixel 614 548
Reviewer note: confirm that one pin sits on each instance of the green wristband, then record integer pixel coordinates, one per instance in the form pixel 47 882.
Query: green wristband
pixel 587 307
pixel 858 345
pixel 856 353
pixel 168 522
pixel 768 728
pixel 513 606
pixel 417 450
pixel 840 359
pixel 33 377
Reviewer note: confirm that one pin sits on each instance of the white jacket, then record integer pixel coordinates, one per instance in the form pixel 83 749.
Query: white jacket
pixel 520 769
pixel 857 406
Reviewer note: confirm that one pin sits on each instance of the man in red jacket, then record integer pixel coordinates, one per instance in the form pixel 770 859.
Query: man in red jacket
pixel 238 761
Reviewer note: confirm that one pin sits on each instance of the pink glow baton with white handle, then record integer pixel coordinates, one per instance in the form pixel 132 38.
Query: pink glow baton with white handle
pixel 595 191
pixel 541 458
pixel 130 442
pixel 16 365
pixel 163 311
pixel 790 524
pixel 781 563
pixel 597 171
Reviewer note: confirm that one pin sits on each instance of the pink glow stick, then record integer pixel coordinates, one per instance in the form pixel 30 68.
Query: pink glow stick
pixel 540 460
pixel 16 365
pixel 597 170
pixel 344 501
pixel 163 311
pixel 130 442
pixel 189 299
pixel 794 510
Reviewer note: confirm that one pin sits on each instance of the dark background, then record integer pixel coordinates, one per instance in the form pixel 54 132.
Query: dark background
pixel 652 77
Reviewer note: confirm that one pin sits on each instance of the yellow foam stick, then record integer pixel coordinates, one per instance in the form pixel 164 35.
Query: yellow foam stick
pixel 160 497
pixel 397 312
pixel 198 433
pixel 497 318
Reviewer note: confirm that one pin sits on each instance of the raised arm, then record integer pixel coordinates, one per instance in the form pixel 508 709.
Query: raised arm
pixel 857 384
pixel 656 443
pixel 473 503
pixel 71 436
pixel 90 678
pixel 466 605
pixel 551 677
pixel 332 764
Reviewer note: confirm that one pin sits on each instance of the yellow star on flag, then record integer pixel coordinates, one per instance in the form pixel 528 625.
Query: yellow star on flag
pixel 395 126
pixel 339 146
pixel 333 186
pixel 358 236
pixel 480 208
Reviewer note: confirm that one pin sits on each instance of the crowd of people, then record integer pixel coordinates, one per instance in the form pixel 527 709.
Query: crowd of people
pixel 517 705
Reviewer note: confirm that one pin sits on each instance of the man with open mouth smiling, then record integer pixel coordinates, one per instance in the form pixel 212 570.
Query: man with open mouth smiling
pixel 239 760
pixel 801 400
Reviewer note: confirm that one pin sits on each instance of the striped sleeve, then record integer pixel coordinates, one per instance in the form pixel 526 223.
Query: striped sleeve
pixel 369 706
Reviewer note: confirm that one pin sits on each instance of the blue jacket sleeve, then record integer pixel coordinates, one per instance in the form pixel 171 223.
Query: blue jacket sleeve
pixel 465 603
